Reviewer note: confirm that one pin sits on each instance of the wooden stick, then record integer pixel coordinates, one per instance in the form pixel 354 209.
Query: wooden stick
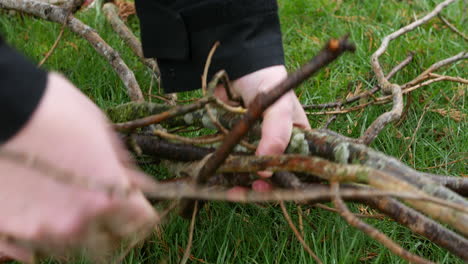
pixel 365 94
pixel 60 15
pixel 297 234
pixel 111 12
pixel 371 231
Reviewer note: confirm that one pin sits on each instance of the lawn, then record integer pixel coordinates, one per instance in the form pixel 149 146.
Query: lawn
pixel 234 233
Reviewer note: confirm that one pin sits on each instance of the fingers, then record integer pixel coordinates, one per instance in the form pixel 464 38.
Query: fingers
pixel 276 130
pixel 261 186
pixel 134 216
pixel 15 252
pixel 299 116
pixel 221 93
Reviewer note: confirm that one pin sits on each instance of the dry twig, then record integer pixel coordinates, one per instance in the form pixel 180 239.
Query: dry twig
pixel 330 209
pixel 196 141
pixel 415 131
pixel 154 119
pixel 370 231
pixel 190 238
pixel 387 87
pixel 54 46
pixel 297 234
pixel 365 94
pixel 111 12
pixel 453 28
pixel 388 98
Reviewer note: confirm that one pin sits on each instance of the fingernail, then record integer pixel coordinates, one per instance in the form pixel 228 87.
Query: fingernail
pixel 265 174
pixel 234 193
pixel 261 186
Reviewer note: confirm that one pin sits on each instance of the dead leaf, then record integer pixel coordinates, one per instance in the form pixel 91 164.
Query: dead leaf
pixel 73 45
pixel 370 255
pixel 460 93
pixel 356 92
pixel 454 114
pixel 126 9
pixel 192 257
pixel 363 209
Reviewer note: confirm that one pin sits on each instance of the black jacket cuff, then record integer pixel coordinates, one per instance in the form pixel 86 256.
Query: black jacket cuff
pixel 22 85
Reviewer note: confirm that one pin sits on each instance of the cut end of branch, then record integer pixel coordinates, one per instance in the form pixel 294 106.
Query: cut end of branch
pixel 343 44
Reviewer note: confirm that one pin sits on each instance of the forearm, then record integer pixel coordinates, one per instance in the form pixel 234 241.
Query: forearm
pixel 21 88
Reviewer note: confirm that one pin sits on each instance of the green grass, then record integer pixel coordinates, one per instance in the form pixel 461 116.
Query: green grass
pixel 231 233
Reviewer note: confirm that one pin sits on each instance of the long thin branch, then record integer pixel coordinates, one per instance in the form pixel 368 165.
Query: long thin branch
pixel 460 56
pixel 180 190
pixel 54 46
pixel 415 131
pixel 453 28
pixel 371 231
pixel 388 98
pixel 156 118
pixel 199 141
pixel 365 94
pixel 338 172
pixel 190 238
pixel 297 234
pixel 60 15
pixel 330 209
pixel 111 12
pixel 420 224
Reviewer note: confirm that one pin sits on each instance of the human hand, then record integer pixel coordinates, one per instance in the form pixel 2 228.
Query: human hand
pixel 278 119
pixel 43 214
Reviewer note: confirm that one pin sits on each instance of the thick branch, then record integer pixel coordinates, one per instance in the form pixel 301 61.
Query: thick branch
pixel 111 12
pixel 60 15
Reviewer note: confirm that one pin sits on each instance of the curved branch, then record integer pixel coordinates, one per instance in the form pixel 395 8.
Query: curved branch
pixel 391 88
pixel 60 15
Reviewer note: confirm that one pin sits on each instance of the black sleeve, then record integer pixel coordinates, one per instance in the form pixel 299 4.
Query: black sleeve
pixel 180 34
pixel 21 88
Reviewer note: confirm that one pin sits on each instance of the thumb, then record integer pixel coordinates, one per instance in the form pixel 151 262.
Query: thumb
pixel 134 213
pixel 141 181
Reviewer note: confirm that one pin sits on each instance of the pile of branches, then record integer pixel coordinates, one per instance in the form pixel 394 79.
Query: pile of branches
pixel 319 165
